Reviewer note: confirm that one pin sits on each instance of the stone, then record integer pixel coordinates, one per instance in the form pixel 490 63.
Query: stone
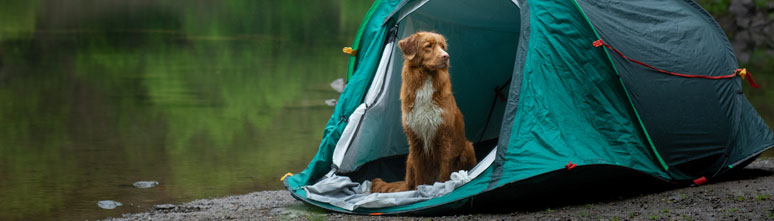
pixel 338 85
pixel 145 184
pixel 165 207
pixel 108 204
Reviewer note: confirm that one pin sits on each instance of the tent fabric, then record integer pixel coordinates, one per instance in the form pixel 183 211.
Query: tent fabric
pixel 706 124
pixel 513 94
pixel 568 102
pixel 340 191
pixel 572 108
pixel 351 151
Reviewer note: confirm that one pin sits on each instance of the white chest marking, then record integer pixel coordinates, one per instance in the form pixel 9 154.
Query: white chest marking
pixel 425 117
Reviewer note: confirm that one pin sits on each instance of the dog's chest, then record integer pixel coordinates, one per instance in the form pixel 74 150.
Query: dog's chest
pixel 425 117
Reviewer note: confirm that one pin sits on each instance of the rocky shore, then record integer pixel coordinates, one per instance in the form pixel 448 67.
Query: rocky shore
pixel 745 195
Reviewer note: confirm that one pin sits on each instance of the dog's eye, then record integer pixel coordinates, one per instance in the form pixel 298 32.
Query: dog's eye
pixel 429 46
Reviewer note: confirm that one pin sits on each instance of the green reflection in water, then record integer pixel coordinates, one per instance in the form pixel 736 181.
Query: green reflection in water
pixel 209 98
pixel 17 18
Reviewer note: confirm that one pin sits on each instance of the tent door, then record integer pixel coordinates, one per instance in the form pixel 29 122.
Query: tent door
pixel 355 120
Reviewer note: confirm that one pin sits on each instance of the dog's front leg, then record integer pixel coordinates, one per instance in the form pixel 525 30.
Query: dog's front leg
pixel 447 161
pixel 411 173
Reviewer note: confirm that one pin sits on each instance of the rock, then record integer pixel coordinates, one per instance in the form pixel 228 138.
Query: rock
pixel 165 207
pixel 741 7
pixel 145 184
pixel 742 11
pixel 285 213
pixel 759 21
pixel 742 46
pixel 108 204
pixel 338 85
pixel 743 21
pixel 331 102
pixel 675 198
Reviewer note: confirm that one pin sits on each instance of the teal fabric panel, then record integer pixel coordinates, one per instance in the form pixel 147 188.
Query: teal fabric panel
pixel 687 118
pixel 753 136
pixel 695 124
pixel 491 15
pixel 513 93
pixel 572 107
pixel 371 44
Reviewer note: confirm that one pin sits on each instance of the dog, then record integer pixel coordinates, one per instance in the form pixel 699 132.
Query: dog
pixel 431 119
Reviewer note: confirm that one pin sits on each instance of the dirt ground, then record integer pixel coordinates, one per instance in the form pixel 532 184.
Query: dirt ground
pixel 745 195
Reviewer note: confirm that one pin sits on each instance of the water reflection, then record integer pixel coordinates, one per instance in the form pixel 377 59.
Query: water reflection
pixel 209 98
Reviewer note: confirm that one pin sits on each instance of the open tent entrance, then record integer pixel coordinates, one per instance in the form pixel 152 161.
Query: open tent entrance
pixel 482 41
pixel 583 114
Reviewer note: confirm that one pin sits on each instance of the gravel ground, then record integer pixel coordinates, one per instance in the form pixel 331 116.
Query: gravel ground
pixel 745 195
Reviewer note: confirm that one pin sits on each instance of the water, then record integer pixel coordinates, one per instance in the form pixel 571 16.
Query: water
pixel 209 98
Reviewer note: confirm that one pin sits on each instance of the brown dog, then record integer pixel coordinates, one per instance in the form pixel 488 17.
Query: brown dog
pixel 431 119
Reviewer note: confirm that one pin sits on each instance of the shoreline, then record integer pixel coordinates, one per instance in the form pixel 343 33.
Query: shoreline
pixel 746 194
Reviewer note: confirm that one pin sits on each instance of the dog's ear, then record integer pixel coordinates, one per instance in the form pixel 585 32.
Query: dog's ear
pixel 409 46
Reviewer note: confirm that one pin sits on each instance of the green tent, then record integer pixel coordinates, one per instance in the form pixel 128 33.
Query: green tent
pixel 542 101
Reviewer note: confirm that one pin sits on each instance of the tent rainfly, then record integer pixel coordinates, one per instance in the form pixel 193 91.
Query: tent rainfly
pixel 550 90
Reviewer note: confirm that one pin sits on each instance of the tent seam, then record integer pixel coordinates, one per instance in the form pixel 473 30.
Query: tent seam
pixel 623 86
pixel 356 43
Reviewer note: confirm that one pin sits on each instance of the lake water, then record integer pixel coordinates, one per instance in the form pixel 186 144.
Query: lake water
pixel 209 98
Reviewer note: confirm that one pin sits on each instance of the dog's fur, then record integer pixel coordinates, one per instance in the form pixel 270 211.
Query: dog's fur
pixel 431 119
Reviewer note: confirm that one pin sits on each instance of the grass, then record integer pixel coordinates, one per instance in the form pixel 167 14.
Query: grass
pixel 762 197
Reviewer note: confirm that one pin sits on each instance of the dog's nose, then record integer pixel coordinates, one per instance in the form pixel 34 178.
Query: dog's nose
pixel 445 56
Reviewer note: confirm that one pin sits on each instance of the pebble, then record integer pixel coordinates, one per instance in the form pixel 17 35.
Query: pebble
pixel 165 207
pixel 145 184
pixel 108 204
pixel 338 85
pixel 331 102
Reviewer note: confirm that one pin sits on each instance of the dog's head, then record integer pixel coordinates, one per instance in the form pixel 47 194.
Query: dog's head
pixel 426 50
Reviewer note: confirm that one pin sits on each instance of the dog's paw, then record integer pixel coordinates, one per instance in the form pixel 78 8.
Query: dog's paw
pixel 377 185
